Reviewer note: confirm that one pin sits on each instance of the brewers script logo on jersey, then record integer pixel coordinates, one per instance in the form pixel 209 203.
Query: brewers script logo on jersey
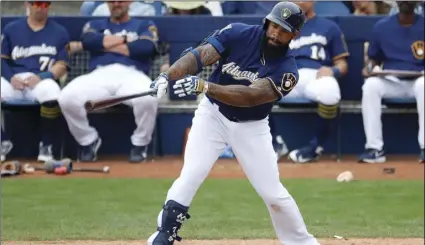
pixel 234 70
pixel 308 40
pixel 23 52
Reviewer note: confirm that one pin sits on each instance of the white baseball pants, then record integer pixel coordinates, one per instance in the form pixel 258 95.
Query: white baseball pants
pixel 324 90
pixel 115 79
pixel 376 88
pixel 252 144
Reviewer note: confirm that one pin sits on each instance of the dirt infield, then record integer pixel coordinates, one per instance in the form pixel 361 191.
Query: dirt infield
pixel 326 169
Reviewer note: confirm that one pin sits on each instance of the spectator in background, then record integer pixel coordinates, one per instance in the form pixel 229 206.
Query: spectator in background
pixel 195 8
pixel 136 8
pixel 371 8
pixel 419 9
pixel 247 7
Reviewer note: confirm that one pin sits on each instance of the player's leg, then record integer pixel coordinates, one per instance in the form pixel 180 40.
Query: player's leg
pixel 326 93
pixel 144 109
pixel 7 92
pixel 374 89
pixel 204 145
pixel 46 92
pixel 251 143
pixel 419 95
pixel 71 101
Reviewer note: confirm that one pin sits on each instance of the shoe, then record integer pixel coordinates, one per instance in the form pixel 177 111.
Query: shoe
pixel 45 153
pixel 138 154
pixel 227 154
pixel 172 218
pixel 306 154
pixel 421 157
pixel 372 156
pixel 88 153
pixel 6 147
pixel 281 149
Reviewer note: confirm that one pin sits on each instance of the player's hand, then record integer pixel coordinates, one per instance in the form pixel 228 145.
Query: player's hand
pixel 17 83
pixel 32 81
pixel 324 71
pixel 190 85
pixel 160 84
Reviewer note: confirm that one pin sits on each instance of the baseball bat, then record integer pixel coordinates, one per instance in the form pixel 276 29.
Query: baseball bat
pixel 398 73
pixel 93 105
pixel 105 169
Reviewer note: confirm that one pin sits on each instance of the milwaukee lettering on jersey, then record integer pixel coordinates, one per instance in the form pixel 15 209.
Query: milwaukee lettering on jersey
pixel 131 36
pixel 307 41
pixel 22 52
pixel 234 70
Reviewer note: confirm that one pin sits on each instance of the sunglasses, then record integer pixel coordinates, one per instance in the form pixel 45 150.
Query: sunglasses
pixel 41 4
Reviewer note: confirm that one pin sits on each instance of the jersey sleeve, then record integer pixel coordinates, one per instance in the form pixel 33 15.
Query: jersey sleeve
pixel 284 79
pixel 374 50
pixel 150 33
pixel 5 44
pixel 338 45
pixel 223 39
pixel 63 49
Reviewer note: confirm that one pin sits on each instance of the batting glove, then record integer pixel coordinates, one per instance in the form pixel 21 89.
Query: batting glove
pixel 190 85
pixel 160 84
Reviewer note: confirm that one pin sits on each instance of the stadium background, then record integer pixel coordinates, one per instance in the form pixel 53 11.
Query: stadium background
pixel 292 120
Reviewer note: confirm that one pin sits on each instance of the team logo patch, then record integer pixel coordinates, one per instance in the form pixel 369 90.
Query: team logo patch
pixel 154 32
pixel 288 82
pixel 418 49
pixel 286 13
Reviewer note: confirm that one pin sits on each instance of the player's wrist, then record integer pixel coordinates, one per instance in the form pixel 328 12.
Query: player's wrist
pixel 205 86
pixel 336 72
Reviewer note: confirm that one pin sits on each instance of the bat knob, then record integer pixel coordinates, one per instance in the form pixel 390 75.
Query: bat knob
pixel 106 169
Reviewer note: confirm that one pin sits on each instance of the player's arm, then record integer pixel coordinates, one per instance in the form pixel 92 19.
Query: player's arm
pixel 191 62
pixel 6 61
pixel 211 49
pixel 374 52
pixel 339 52
pixel 143 46
pixel 94 41
pixel 61 65
pixel 260 92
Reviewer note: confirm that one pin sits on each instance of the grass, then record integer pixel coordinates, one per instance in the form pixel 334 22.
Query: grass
pixel 126 209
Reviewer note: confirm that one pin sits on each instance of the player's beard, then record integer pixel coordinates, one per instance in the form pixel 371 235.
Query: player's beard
pixel 272 51
pixel 118 13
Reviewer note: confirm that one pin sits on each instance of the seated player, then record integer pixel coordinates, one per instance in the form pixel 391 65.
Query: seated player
pixel 321 52
pixel 120 48
pixel 34 56
pixel 397 43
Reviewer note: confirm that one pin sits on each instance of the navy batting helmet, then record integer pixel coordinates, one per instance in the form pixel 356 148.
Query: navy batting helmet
pixel 288 15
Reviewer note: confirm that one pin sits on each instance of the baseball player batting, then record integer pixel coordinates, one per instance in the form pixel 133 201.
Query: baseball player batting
pixel 321 54
pixel 397 43
pixel 34 56
pixel 121 49
pixel 255 70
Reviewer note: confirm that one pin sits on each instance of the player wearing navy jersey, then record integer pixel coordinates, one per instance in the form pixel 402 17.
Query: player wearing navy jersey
pixel 121 49
pixel 254 71
pixel 34 56
pixel 397 43
pixel 321 52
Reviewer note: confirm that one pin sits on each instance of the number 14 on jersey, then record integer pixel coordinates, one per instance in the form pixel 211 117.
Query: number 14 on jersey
pixel 318 53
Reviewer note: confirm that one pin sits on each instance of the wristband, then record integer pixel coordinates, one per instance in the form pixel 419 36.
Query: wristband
pixel 205 88
pixel 336 71
pixel 198 60
pixel 46 75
